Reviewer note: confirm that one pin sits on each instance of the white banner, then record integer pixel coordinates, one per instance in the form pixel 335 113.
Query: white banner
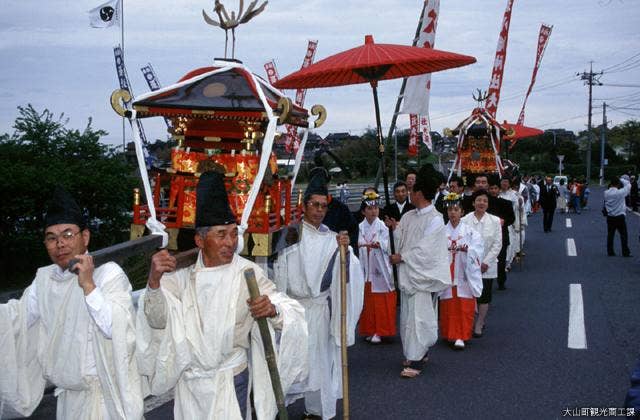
pixel 425 127
pixel 418 88
pixel 105 15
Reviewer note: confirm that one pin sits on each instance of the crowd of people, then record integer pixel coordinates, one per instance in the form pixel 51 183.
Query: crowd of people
pixel 437 250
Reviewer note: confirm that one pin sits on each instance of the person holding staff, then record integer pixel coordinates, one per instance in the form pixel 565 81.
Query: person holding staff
pixel 197 329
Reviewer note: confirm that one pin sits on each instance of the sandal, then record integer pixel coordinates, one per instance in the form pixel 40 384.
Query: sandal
pixel 409 373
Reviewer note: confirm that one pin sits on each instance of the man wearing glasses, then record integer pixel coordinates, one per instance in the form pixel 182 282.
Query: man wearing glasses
pixel 73 327
pixel 309 272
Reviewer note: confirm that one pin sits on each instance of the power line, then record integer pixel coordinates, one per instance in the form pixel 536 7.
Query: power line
pixel 618 85
pixel 612 67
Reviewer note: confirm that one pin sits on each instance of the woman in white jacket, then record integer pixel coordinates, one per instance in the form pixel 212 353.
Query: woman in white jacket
pixel 458 302
pixel 489 227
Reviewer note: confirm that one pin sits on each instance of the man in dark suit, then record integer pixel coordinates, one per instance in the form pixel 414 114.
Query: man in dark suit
pixel 548 201
pixel 401 205
pixel 498 207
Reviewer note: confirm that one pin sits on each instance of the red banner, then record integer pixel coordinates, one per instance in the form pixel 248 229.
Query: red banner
pixel 493 93
pixel 272 72
pixel 413 135
pixel 292 140
pixel 308 59
pixel 301 93
pixel 543 38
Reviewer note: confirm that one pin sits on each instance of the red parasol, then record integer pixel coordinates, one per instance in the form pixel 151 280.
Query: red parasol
pixel 370 63
pixel 515 132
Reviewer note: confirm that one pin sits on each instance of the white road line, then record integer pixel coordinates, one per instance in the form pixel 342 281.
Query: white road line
pixel 577 337
pixel 571 248
pixel 156 401
pixel 569 223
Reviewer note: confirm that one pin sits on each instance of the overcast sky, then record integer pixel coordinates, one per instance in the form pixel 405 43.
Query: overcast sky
pixel 52 59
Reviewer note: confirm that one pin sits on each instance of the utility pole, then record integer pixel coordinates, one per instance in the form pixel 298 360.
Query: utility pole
pixel 602 141
pixel 590 79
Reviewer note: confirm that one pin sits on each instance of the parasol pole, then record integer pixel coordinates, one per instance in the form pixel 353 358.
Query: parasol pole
pixel 520 233
pixel 385 180
pixel 396 111
pixel 343 332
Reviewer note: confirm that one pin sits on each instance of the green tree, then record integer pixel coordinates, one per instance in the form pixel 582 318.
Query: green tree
pixel 43 153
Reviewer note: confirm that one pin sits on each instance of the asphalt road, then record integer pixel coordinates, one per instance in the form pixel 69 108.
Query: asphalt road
pixel 522 368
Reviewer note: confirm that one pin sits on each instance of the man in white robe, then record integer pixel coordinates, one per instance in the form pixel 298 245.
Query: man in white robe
pixel 309 272
pixel 423 270
pixel 75 331
pixel 197 331
pixel 514 242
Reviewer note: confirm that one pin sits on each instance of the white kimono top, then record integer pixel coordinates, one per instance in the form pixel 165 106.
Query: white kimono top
pixel 309 272
pixel 421 240
pixel 490 228
pixel 82 345
pixel 465 254
pixel 194 334
pixel 375 261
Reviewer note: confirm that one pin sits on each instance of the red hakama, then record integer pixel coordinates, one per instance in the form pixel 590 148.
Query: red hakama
pixel 456 317
pixel 378 313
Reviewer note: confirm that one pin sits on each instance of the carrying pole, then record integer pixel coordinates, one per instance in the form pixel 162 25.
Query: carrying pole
pixel 272 364
pixel 343 332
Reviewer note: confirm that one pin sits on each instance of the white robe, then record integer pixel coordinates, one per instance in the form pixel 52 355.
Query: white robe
pixel 421 240
pixel 466 271
pixel 490 228
pixel 56 346
pixel 514 228
pixel 376 267
pixel 191 345
pixel 299 271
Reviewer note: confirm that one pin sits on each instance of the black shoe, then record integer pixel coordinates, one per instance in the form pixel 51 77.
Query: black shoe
pixel 626 255
pixel 476 335
pixel 502 288
pixel 611 254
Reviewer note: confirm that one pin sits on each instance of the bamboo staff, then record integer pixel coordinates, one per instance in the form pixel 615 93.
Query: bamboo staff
pixel 270 354
pixel 343 331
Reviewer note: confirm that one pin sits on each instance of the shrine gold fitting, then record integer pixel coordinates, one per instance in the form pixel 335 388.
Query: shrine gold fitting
pixel 321 112
pixel 118 98
pixel 267 204
pixel 136 196
pixel 284 107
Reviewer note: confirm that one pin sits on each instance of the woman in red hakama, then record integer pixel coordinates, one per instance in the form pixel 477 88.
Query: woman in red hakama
pixel 458 303
pixel 378 317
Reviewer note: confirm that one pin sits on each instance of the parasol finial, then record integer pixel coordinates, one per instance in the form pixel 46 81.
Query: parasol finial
pixel 231 22
pixel 368 39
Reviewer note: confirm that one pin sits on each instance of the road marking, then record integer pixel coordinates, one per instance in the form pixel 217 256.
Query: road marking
pixel 571 248
pixel 569 223
pixel 154 401
pixel 577 337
